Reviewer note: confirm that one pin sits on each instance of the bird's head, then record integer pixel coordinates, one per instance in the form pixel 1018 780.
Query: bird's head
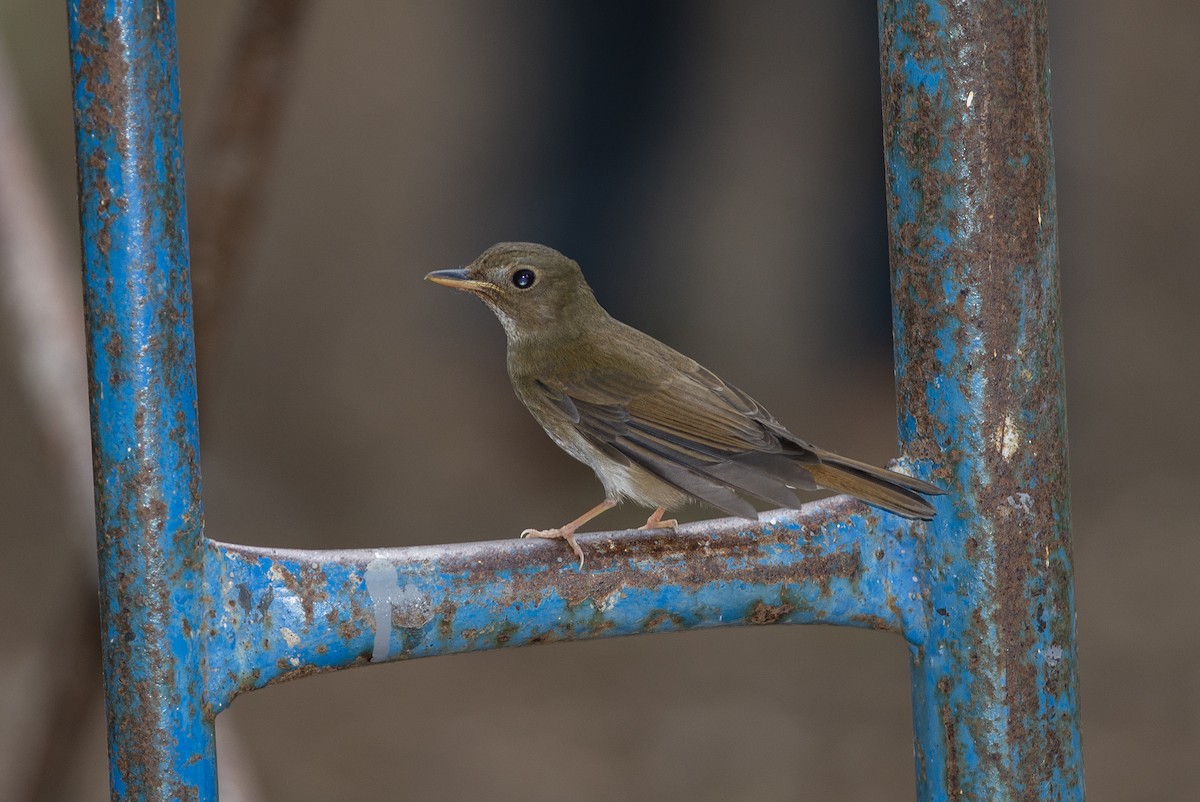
pixel 531 288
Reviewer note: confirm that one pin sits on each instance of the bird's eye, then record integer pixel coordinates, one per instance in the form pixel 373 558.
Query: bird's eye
pixel 523 279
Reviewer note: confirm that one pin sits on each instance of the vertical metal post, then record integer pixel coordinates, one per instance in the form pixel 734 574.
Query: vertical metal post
pixel 143 397
pixel 982 594
pixel 971 208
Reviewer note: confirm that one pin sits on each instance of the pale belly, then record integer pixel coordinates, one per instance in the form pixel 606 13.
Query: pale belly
pixel 621 481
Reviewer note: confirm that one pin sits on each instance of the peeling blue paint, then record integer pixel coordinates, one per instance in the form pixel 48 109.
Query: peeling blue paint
pixel 982 594
pixel 975 281
pixel 143 409
pixel 813 566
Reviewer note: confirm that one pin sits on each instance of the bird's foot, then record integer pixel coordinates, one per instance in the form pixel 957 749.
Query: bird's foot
pixel 566 533
pixel 655 521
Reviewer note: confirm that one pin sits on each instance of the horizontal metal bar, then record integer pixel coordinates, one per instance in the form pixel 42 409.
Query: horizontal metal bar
pixel 982 593
pixel 279 613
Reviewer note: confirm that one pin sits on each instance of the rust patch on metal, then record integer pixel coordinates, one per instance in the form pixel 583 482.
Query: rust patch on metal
pixel 309 588
pixel 506 632
pixel 511 578
pixel 763 613
pixel 950 733
pixel 659 617
pixel 289 673
pixel 447 610
pixel 958 275
pixel 687 562
pixel 873 622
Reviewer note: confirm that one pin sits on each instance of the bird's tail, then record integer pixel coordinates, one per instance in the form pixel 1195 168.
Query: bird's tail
pixel 892 491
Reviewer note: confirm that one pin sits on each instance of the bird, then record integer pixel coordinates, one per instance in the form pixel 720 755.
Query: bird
pixel 657 428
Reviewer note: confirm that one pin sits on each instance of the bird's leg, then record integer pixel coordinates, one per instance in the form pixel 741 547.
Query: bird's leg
pixel 655 521
pixel 567 531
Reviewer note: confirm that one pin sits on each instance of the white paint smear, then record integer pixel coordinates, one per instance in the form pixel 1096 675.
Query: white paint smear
pixel 405 606
pixel 1008 438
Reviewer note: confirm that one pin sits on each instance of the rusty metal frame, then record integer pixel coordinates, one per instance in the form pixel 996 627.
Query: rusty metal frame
pixel 982 595
pixel 979 377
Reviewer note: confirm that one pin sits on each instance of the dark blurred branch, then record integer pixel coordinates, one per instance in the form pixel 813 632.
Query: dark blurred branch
pixel 237 157
pixel 44 325
pixel 44 319
pixel 43 315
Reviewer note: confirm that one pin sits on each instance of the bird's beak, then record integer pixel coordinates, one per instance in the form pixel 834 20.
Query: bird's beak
pixel 455 278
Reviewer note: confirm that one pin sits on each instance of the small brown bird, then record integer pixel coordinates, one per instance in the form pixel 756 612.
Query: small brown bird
pixel 655 426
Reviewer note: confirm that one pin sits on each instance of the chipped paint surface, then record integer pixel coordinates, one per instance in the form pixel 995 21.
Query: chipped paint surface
pixel 141 381
pixel 395 605
pixel 834 562
pixel 970 180
pixel 982 594
pixel 1008 438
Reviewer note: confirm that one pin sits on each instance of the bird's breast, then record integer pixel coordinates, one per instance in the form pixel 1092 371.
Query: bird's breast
pixel 620 480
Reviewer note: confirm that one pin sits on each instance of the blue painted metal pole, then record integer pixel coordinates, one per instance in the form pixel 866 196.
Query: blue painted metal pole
pixel 280 614
pixel 143 397
pixel 973 233
pixel 982 595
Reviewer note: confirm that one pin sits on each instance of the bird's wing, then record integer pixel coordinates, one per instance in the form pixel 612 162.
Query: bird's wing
pixel 691 430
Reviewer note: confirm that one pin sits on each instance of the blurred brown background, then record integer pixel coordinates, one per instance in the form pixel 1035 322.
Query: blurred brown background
pixel 716 168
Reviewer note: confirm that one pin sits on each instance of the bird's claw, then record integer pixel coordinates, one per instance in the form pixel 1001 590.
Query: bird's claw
pixel 655 521
pixel 558 534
